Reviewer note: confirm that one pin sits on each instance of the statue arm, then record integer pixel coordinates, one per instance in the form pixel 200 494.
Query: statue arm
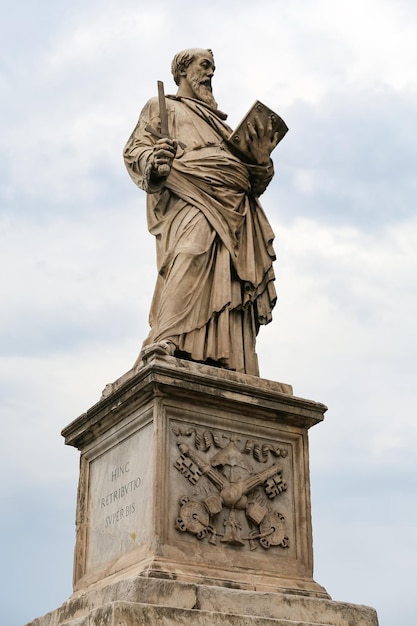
pixel 260 177
pixel 143 152
pixel 261 141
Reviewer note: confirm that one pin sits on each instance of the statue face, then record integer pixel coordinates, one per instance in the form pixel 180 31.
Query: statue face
pixel 198 75
pixel 200 70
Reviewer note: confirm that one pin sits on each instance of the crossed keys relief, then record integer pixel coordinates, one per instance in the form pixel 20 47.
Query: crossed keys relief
pixel 235 504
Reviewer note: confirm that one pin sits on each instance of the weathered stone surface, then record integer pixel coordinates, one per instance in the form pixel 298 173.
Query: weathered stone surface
pixel 134 614
pixel 125 614
pixel 122 478
pixel 184 449
pixel 136 600
pixel 196 476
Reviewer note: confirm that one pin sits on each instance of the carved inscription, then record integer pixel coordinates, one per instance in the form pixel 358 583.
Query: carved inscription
pixel 119 486
pixel 122 489
pixel 234 496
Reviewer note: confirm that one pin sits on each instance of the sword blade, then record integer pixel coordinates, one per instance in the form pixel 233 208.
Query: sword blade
pixel 163 113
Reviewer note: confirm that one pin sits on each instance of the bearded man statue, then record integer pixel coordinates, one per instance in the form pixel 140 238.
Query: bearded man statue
pixel 215 284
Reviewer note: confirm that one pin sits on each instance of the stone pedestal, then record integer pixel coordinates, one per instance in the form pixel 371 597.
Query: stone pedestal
pixel 194 504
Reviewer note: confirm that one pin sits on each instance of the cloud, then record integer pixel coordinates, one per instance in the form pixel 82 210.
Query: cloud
pixel 342 332
pixel 33 510
pixel 75 281
pixel 350 160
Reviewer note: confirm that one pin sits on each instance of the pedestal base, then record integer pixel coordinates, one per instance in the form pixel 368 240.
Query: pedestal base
pixel 198 474
pixel 143 602
pixel 194 504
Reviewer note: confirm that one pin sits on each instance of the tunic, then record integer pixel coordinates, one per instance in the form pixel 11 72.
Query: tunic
pixel 214 243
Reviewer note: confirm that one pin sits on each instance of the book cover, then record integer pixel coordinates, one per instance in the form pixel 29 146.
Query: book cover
pixel 260 111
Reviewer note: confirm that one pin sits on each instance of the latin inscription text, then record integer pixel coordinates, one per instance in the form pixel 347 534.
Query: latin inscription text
pixel 127 487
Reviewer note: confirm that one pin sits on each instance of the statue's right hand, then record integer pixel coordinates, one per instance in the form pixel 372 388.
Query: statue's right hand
pixel 163 154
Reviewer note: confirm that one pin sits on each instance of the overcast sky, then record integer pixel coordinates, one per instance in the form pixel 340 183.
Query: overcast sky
pixel 78 268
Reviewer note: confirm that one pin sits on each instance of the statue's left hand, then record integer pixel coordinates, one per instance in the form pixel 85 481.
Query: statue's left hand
pixel 261 140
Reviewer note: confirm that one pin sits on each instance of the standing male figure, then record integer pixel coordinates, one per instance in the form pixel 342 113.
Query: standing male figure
pixel 214 243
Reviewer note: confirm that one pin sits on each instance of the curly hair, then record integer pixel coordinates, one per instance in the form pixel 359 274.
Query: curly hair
pixel 183 59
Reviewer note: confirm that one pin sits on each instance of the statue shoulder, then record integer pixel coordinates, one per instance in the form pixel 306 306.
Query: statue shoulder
pixel 151 108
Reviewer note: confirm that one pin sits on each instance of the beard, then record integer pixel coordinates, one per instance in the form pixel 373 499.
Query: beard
pixel 202 92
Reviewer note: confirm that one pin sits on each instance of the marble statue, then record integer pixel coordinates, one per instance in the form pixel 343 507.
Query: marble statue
pixel 215 284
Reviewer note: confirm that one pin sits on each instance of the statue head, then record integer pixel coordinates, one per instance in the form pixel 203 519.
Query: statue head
pixel 183 59
pixel 193 70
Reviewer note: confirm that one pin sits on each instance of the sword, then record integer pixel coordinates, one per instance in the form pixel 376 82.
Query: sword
pixel 163 170
pixel 163 113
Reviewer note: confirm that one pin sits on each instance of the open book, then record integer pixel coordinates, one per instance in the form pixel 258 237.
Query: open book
pixel 238 138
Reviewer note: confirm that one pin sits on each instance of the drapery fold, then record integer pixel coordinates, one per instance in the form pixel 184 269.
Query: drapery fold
pixel 214 242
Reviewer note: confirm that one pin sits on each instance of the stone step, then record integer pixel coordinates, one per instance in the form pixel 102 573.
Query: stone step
pixel 165 601
pixel 136 614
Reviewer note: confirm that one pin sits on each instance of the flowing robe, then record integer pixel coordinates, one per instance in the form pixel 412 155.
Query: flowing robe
pixel 213 240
